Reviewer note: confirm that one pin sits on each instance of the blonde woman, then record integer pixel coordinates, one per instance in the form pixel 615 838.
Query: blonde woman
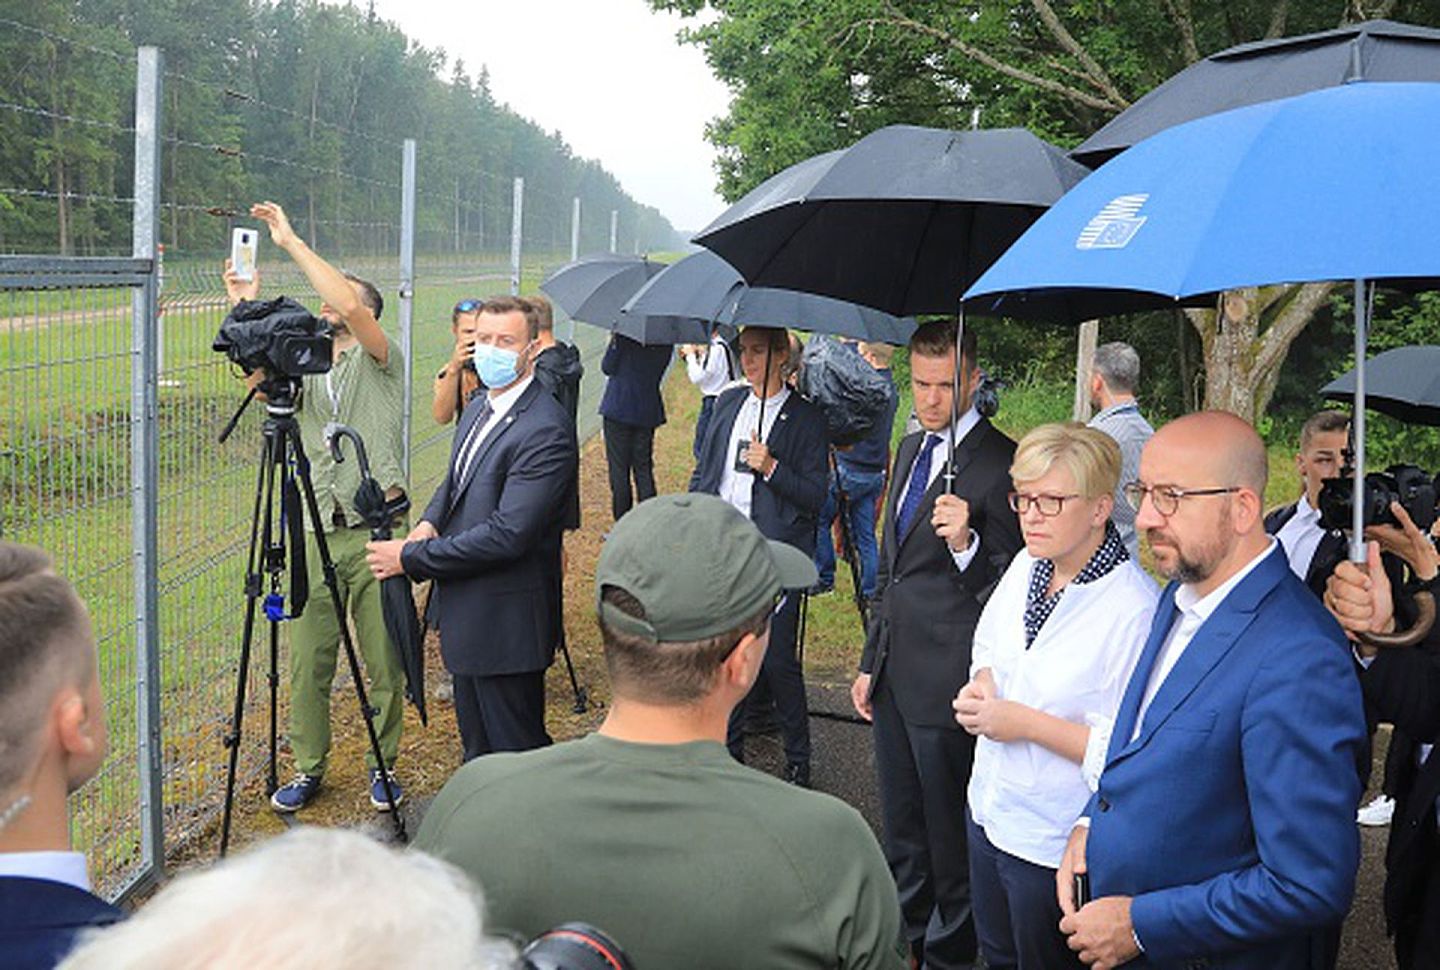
pixel 1053 651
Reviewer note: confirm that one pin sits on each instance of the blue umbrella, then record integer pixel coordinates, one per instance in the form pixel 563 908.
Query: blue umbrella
pixel 1339 183
pixel 705 287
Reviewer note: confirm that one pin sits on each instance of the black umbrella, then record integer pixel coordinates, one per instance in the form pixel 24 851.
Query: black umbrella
pixel 902 221
pixel 705 287
pixel 1377 50
pixel 595 289
pixel 1408 382
pixel 397 598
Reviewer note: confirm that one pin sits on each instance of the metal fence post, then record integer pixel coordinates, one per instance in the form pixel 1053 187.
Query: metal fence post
pixel 407 290
pixel 144 460
pixel 614 230
pixel 516 212
pixel 575 230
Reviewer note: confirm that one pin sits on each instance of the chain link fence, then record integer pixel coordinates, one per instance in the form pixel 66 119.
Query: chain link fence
pixel 109 456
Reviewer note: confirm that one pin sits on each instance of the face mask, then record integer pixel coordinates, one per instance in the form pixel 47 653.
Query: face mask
pixel 496 366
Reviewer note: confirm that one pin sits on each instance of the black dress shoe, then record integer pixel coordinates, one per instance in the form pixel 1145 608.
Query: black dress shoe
pixel 798 773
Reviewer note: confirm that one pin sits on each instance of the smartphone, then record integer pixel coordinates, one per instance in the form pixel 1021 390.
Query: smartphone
pixel 1082 889
pixel 244 244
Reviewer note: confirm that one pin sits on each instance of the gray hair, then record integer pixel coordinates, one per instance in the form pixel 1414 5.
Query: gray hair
pixel 312 899
pixel 1118 365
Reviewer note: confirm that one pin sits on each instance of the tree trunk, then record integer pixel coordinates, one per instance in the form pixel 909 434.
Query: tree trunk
pixel 1084 365
pixel 1245 341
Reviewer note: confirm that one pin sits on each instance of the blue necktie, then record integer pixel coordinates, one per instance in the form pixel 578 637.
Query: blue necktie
pixel 919 482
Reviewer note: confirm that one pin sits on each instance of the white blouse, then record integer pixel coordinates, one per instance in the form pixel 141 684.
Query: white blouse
pixel 1025 796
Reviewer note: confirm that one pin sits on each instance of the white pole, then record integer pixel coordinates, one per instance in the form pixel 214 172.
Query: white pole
pixel 516 213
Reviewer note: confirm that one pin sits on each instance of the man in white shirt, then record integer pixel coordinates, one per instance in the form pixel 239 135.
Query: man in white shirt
pixel 1297 526
pixel 1222 832
pixel 52 740
pixel 711 370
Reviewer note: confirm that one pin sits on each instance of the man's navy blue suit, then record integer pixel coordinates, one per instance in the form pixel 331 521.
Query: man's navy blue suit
pixel 494 566
pixel 631 409
pixel 785 508
pixel 1231 817
pixel 40 918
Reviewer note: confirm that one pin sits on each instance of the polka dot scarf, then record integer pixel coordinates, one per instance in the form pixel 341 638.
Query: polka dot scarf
pixel 1039 606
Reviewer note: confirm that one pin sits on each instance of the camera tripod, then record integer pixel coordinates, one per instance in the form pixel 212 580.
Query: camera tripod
pixel 283 456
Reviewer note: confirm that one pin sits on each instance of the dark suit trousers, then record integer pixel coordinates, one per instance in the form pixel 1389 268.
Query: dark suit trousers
pixel 1417 931
pixel 500 713
pixel 781 673
pixel 629 450
pixel 923 773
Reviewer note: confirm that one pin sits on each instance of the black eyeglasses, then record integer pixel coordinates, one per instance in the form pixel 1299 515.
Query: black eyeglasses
pixel 1046 505
pixel 1166 498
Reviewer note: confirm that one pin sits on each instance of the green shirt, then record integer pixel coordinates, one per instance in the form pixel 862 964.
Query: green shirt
pixel 360 392
pixel 682 856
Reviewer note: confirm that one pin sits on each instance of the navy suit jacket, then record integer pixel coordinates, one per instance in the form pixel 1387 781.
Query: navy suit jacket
pixel 39 920
pixel 499 547
pixel 632 394
pixel 1231 817
pixel 787 506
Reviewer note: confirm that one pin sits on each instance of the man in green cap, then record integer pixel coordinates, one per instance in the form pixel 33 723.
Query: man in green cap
pixel 648 829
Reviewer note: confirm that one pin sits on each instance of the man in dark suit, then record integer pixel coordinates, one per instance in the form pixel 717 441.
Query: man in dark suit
pixel 490 538
pixel 764 453
pixel 1402 686
pixel 1312 550
pixel 1222 833
pixel 941 553
pixel 632 409
pixel 52 740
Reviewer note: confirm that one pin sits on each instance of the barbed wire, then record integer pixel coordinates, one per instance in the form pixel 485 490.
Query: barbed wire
pixel 227 151
pixel 236 211
pixel 58 116
pixel 70 41
pixel 46 194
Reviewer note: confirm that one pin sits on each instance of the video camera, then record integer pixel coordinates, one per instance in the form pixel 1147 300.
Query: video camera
pixel 278 336
pixel 1414 488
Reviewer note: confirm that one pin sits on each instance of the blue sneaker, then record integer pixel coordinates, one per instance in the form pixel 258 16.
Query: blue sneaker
pixel 377 791
pixel 297 794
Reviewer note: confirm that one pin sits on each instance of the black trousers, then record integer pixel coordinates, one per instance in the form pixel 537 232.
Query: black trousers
pixel 629 451
pixel 782 674
pixel 923 773
pixel 1417 930
pixel 501 713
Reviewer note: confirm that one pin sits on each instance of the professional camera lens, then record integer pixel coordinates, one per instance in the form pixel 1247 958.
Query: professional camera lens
pixel 573 946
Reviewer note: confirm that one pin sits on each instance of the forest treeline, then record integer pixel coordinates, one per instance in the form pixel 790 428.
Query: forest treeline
pixel 287 99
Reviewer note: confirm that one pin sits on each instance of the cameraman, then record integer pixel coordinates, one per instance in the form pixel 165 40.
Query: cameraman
pixel 1401 686
pixel 365 389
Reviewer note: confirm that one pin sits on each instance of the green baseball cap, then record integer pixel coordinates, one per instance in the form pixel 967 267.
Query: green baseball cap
pixel 696 565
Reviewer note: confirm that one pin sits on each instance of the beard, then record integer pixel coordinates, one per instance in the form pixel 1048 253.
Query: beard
pixel 1194 562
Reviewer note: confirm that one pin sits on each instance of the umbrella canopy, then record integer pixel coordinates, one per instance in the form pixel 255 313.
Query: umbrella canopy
pixel 900 221
pixel 705 287
pixel 1377 50
pixel 1408 379
pixel 1336 184
pixel 594 290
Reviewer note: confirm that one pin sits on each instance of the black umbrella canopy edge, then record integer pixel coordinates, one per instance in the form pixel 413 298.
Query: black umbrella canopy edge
pixel 1387 371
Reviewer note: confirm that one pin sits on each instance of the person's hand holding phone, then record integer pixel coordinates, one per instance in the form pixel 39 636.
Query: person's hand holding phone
pixel 237 289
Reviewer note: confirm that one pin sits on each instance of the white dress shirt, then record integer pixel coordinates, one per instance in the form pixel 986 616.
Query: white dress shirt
pixel 738 488
pixel 938 458
pixel 1024 795
pixel 500 405
pixel 1194 611
pixel 712 374
pixel 1301 536
pixel 55 866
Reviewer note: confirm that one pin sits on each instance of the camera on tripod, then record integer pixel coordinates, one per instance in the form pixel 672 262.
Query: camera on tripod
pixel 279 337
pixel 1414 488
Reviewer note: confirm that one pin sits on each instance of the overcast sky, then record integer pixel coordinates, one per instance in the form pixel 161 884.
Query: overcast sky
pixel 609 75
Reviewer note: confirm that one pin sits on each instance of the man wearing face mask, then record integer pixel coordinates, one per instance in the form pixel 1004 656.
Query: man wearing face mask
pixel 490 538
pixel 364 389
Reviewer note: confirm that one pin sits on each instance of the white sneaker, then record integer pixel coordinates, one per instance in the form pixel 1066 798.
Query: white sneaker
pixel 1378 812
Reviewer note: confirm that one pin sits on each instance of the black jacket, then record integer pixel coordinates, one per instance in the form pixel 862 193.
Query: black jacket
pixel 39 920
pixel 925 613
pixel 558 367
pixel 499 546
pixel 788 505
pixel 1328 554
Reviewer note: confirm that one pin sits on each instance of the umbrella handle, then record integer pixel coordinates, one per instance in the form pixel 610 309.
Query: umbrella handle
pixel 1424 620
pixel 334 431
